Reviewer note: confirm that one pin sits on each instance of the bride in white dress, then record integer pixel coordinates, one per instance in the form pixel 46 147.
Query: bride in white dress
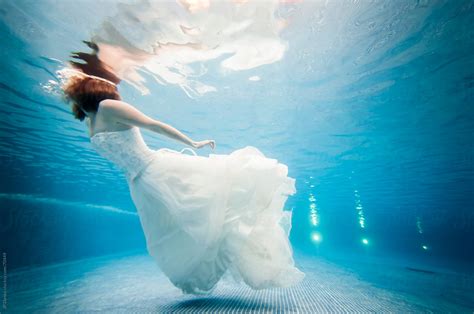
pixel 201 216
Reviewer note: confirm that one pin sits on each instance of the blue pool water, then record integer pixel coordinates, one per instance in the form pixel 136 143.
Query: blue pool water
pixel 369 103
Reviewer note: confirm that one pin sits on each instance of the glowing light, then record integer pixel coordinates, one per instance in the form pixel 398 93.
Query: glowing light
pixel 365 241
pixel 424 247
pixel 316 237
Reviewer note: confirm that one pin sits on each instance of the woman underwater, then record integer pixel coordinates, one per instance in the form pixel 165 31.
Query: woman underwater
pixel 201 216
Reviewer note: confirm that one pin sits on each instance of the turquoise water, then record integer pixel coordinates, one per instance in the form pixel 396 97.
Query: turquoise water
pixel 369 103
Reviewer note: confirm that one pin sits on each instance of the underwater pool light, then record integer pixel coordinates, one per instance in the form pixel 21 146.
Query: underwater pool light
pixel 316 237
pixel 365 241
pixel 424 247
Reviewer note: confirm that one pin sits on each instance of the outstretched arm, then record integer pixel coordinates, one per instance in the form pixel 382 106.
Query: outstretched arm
pixel 127 114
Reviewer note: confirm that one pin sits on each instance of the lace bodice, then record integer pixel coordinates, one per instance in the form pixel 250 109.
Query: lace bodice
pixel 126 149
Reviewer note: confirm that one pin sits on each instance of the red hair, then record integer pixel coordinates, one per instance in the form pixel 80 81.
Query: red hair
pixel 86 93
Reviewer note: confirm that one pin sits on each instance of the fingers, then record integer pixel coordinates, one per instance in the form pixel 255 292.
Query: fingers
pixel 201 144
pixel 84 56
pixel 91 45
pixel 212 144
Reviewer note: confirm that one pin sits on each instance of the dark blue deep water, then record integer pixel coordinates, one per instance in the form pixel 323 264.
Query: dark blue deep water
pixel 369 103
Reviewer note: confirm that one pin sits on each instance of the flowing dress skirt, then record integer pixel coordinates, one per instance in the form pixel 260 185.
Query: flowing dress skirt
pixel 203 216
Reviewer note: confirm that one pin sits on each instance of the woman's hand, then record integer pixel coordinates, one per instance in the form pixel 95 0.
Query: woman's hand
pixel 200 144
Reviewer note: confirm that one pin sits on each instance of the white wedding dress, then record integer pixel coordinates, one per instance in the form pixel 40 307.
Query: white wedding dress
pixel 202 216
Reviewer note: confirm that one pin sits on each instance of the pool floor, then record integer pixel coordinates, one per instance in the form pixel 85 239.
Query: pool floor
pixel 116 284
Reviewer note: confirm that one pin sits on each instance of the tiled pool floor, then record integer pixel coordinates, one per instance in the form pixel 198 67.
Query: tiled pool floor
pixel 116 284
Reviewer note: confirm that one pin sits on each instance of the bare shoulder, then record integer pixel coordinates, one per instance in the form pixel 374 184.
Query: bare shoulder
pixel 108 104
pixel 114 106
pixel 122 112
